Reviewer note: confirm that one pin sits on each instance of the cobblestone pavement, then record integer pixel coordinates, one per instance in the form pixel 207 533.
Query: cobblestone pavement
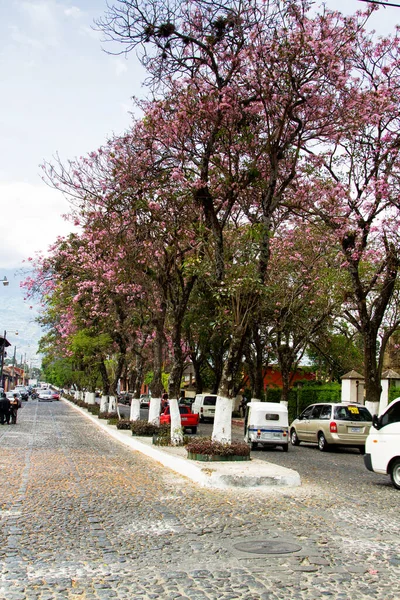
pixel 85 518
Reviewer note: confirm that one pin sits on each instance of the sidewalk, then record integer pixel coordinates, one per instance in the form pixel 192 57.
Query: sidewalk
pixel 248 474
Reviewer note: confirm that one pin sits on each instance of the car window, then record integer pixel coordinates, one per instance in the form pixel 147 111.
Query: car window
pixel 316 412
pixel 271 417
pixel 183 410
pixel 326 412
pixel 392 415
pixel 209 400
pixel 352 413
pixel 307 412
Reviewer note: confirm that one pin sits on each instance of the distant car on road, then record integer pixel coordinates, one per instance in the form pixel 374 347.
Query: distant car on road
pixel 55 394
pixel 189 420
pixel 23 391
pixel 144 401
pixel 332 424
pixel 45 396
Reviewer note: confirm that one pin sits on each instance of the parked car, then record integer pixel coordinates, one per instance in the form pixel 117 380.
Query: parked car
pixel 266 423
pixel 55 395
pixel 144 401
pixel 125 398
pixel 204 406
pixel 382 448
pixel 45 396
pixel 189 420
pixel 332 425
pixel 23 391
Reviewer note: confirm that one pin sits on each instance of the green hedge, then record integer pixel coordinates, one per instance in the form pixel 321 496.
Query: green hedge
pixel 394 392
pixel 309 393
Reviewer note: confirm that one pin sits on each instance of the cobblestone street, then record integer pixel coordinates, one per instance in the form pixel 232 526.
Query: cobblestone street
pixel 83 517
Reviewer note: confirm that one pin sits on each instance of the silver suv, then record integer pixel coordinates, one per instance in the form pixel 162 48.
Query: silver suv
pixel 331 424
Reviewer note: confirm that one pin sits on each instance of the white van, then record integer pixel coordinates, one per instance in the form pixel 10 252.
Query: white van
pixel 204 406
pixel 266 423
pixel 382 447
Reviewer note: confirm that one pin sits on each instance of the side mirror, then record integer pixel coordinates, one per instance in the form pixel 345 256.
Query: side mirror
pixel 376 422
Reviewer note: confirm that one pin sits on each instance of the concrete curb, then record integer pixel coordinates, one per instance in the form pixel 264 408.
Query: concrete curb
pixel 249 474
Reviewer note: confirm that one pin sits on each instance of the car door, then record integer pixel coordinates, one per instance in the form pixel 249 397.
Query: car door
pixel 303 424
pixel 314 423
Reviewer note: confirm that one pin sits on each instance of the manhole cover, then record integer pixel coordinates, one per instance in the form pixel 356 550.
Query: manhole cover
pixel 267 547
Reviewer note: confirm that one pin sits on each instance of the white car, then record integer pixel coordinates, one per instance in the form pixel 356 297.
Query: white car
pixel 45 396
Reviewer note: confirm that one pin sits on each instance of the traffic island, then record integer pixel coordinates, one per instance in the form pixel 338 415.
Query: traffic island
pixel 253 473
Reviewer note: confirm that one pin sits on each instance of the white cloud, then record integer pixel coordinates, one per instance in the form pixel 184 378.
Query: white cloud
pixel 31 221
pixel 16 35
pixel 120 67
pixel 73 12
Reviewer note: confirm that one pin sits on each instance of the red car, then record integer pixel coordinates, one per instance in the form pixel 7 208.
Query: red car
pixel 188 419
pixel 55 395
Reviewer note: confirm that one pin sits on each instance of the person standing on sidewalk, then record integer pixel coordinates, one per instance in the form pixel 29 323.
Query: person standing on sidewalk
pixel 14 406
pixel 4 409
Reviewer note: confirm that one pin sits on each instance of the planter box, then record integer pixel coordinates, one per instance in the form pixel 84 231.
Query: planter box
pixel 216 457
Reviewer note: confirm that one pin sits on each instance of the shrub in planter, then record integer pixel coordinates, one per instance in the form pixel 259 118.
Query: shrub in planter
pixel 94 409
pixel 124 424
pixel 163 437
pixel 146 429
pixel 108 415
pixel 207 447
pixel 113 421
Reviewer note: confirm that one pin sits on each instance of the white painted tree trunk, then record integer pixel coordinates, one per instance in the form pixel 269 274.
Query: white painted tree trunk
pixel 112 406
pixel 154 411
pixel 135 410
pixel 176 423
pixel 90 398
pixel 222 430
pixel 373 407
pixel 104 404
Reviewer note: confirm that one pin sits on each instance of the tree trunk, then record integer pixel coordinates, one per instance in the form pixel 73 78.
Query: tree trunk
pixel 104 378
pixel 156 384
pixel 222 430
pixel 372 373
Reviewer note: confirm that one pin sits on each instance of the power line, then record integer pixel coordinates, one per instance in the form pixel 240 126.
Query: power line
pixel 381 3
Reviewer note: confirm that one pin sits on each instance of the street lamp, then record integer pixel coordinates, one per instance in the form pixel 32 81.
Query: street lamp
pixel 5 281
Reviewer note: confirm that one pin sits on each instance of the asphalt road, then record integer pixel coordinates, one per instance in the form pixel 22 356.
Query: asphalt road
pixel 340 467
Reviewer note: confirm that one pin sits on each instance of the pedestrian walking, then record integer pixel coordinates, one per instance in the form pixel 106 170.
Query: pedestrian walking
pixel 164 401
pixel 14 406
pixel 4 409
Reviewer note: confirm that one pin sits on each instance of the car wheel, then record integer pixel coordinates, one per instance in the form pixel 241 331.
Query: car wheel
pixel 201 419
pixel 361 449
pixel 254 445
pixel 285 447
pixel 395 473
pixel 194 429
pixel 294 440
pixel 322 443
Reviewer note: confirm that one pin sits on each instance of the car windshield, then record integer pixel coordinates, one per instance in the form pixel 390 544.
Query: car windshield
pixel 352 413
pixel 210 400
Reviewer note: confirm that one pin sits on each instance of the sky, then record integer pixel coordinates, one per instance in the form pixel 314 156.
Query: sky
pixel 62 94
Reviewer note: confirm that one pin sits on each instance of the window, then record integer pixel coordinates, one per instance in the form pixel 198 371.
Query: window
pixel 271 417
pixel 326 412
pixel 210 400
pixel 306 414
pixel 316 412
pixel 392 415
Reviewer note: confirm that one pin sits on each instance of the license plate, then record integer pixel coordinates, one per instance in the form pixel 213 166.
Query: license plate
pixel 271 436
pixel 355 429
